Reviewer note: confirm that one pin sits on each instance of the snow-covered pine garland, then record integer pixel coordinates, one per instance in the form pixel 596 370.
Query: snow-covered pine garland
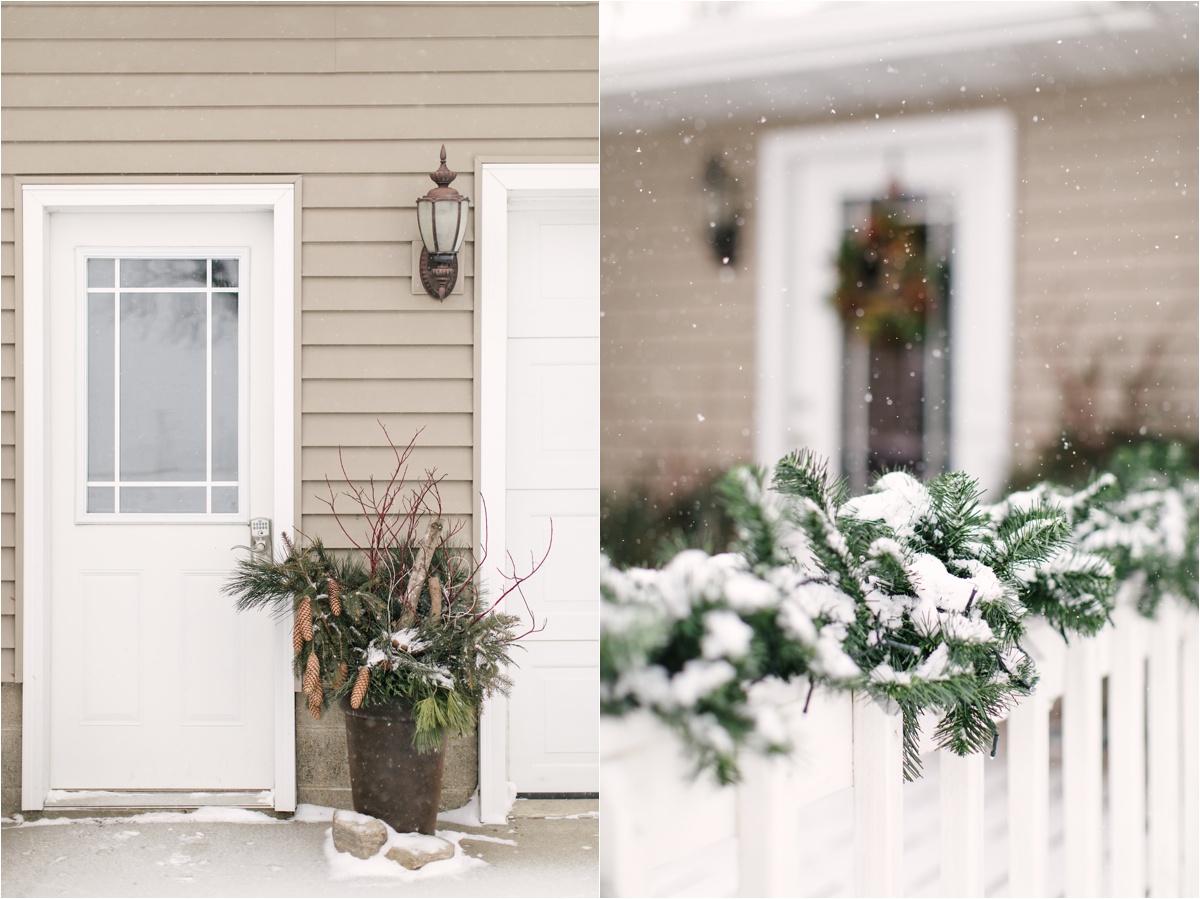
pixel 1141 518
pixel 1149 529
pixel 914 593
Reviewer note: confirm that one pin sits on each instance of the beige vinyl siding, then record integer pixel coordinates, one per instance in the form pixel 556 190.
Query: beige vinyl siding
pixel 1106 260
pixel 1106 269
pixel 677 336
pixel 356 99
pixel 233 91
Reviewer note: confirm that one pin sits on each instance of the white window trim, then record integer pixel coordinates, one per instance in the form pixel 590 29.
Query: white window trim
pixel 38 202
pixel 803 173
pixel 498 185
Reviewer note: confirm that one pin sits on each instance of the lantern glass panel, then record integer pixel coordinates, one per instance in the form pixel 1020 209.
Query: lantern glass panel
pixel 425 224
pixel 447 221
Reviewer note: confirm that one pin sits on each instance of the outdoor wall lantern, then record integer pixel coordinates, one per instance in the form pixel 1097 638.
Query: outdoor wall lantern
pixel 442 218
pixel 722 209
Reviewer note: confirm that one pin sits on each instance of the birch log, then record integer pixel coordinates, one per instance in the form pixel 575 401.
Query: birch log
pixel 420 570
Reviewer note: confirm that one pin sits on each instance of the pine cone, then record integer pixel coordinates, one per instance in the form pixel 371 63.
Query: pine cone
pixel 335 596
pixel 304 619
pixel 314 704
pixel 360 687
pixel 342 673
pixel 312 677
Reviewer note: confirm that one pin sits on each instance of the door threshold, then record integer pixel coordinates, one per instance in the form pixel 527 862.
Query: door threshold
pixel 77 799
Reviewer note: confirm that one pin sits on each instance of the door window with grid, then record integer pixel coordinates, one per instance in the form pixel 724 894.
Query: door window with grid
pixel 164 395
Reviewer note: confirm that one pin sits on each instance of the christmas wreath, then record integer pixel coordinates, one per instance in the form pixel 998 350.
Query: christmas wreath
pixel 886 284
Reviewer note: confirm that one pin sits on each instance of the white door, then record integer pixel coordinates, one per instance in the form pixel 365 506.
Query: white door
pixel 809 174
pixel 158 453
pixel 553 482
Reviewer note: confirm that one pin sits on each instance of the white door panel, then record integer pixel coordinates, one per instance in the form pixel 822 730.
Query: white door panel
pixel 555 292
pixel 565 590
pixel 551 385
pixel 553 483
pixel 555 703
pixel 156 683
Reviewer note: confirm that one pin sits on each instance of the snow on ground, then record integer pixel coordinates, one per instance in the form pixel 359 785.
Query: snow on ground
pixel 306 813
pixel 227 852
pixel 467 816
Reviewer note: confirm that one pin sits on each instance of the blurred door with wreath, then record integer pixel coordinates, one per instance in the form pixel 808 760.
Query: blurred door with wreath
pixel 884 295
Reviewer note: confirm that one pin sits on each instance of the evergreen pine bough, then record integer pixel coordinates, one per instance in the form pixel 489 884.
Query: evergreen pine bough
pixel 913 593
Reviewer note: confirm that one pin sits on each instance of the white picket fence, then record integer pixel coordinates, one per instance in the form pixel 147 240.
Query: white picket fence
pixel 1114 721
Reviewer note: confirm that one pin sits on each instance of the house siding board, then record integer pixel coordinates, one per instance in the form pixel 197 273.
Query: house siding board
pixel 209 57
pixel 373 190
pixel 356 99
pixel 85 21
pixel 202 21
pixel 381 294
pixel 324 527
pixel 371 259
pixel 281 90
pixel 315 492
pixel 270 157
pixel 362 463
pixel 343 429
pixel 378 328
pixel 295 123
pixel 332 362
pixel 375 395
pixel 1105 269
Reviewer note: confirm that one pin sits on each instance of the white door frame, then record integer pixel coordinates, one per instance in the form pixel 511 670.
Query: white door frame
pixel 799 355
pixel 38 202
pixel 496 183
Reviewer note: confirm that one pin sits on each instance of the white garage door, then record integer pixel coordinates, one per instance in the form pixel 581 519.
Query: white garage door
pixel 553 480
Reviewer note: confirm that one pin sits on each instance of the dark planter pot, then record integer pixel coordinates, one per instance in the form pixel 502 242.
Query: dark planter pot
pixel 389 779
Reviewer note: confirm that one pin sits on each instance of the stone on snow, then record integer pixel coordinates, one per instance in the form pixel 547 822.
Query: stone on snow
pixel 415 850
pixel 360 835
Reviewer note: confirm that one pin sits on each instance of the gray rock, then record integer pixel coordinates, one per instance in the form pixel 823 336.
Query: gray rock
pixel 360 835
pixel 417 850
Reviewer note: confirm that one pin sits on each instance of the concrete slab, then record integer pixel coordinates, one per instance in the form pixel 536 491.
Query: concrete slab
pixel 548 848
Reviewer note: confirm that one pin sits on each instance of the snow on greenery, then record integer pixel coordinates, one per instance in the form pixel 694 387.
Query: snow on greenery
pixel 914 593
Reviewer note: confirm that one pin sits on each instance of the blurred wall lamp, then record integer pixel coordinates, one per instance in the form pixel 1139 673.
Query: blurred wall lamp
pixel 442 220
pixel 723 210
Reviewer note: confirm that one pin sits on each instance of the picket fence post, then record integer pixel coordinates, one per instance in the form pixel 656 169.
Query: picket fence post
pixel 1028 735
pixel 962 824
pixel 1164 753
pixel 767 828
pixel 1083 785
pixel 878 800
pixel 1127 752
pixel 625 868
pixel 1191 754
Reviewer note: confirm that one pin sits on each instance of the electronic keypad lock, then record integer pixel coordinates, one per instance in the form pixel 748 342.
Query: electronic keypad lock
pixel 260 537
